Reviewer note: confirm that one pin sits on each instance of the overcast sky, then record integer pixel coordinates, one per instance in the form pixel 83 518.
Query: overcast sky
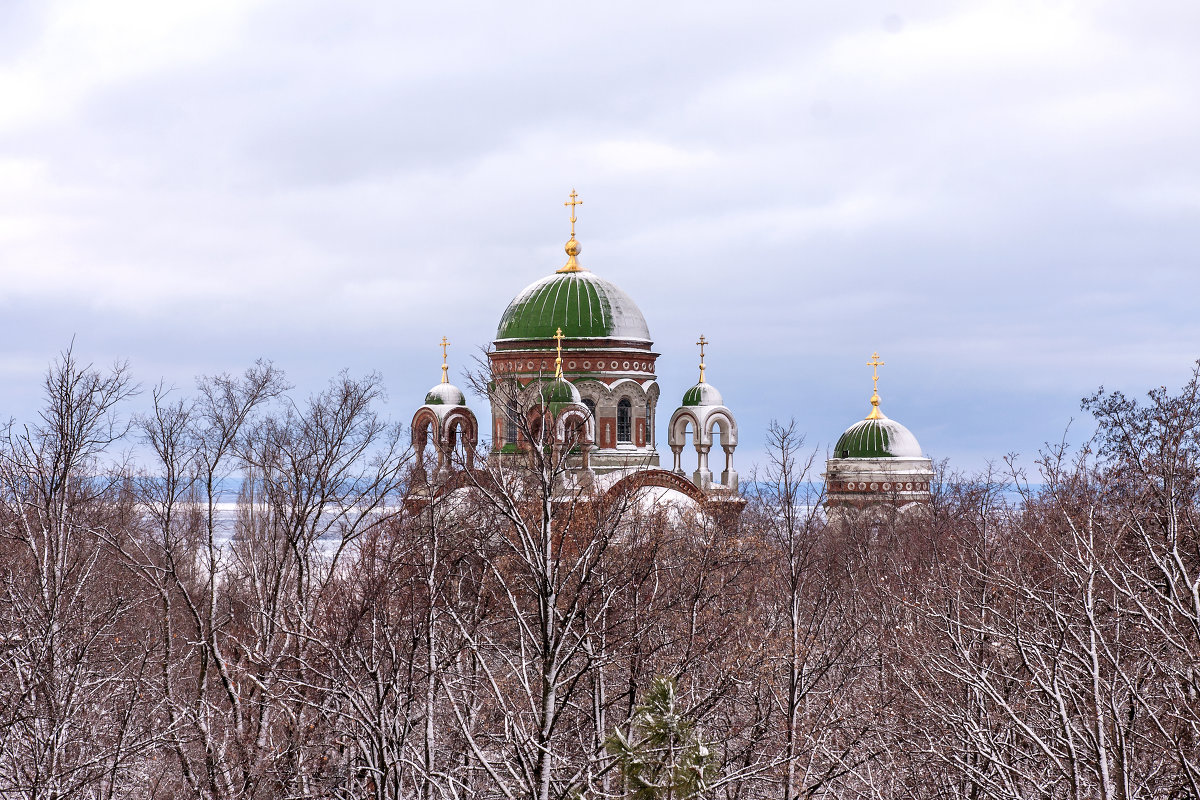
pixel 1003 199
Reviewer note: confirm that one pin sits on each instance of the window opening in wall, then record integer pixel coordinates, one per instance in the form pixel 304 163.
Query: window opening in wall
pixel 510 421
pixel 624 421
pixel 591 406
pixel 649 425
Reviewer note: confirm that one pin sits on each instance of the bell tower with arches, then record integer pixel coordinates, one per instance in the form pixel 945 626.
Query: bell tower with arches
pixel 703 412
pixel 445 422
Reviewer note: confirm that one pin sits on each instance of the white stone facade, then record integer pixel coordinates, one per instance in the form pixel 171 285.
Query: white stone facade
pixel 860 482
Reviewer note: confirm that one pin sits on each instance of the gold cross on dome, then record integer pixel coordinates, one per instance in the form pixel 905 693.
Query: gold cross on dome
pixel 875 364
pixel 572 203
pixel 702 342
pixel 558 337
pixel 445 368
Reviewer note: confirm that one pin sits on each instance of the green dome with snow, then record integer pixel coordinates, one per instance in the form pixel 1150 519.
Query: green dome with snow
pixel 445 394
pixel 702 394
pixel 583 305
pixel 558 393
pixel 877 438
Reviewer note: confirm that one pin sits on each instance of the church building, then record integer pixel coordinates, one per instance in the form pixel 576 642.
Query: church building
pixel 573 369
pixel 876 463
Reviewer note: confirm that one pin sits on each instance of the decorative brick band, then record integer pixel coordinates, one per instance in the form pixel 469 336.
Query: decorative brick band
pixel 576 360
pixel 577 365
pixel 878 486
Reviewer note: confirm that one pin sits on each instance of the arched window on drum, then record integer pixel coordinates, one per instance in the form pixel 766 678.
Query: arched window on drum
pixel 624 422
pixel 649 424
pixel 510 421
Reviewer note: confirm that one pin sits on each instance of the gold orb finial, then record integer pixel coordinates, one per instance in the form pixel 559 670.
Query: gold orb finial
pixel 702 342
pixel 875 364
pixel 573 248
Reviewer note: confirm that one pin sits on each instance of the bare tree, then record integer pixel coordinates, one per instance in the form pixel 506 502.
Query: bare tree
pixel 280 603
pixel 72 715
pixel 544 543
pixel 831 713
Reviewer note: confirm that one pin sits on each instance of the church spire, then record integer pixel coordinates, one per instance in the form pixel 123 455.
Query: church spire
pixel 445 366
pixel 702 342
pixel 573 249
pixel 875 364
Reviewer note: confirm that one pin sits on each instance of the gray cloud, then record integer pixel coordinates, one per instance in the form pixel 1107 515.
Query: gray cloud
pixel 1001 198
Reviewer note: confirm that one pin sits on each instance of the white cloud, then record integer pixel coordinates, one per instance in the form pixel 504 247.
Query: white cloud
pixel 1007 187
pixel 644 157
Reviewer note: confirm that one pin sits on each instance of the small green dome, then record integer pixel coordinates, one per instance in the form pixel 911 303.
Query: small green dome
pixel 702 394
pixel 558 393
pixel 877 438
pixel 559 390
pixel 445 394
pixel 580 303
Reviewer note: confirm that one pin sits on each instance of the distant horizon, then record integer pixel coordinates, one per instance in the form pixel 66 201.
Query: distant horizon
pixel 751 454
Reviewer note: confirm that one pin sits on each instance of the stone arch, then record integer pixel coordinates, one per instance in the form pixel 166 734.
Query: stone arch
pixel 681 420
pixel 505 395
pixel 576 415
pixel 596 391
pixel 535 423
pixel 655 477
pixel 633 392
pixel 651 392
pixel 628 388
pixel 443 426
pixel 529 395
pixel 460 422
pixel 527 400
pixel 575 419
pixel 722 417
pixel 425 430
pixel 702 420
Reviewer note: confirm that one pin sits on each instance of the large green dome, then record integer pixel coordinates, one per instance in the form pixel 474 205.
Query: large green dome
pixel 580 303
pixel 877 438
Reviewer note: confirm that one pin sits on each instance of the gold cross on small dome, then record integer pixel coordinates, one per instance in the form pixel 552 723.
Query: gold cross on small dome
pixel 875 364
pixel 702 342
pixel 558 337
pixel 445 369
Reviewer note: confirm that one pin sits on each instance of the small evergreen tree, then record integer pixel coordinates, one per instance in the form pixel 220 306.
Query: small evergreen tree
pixel 666 759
